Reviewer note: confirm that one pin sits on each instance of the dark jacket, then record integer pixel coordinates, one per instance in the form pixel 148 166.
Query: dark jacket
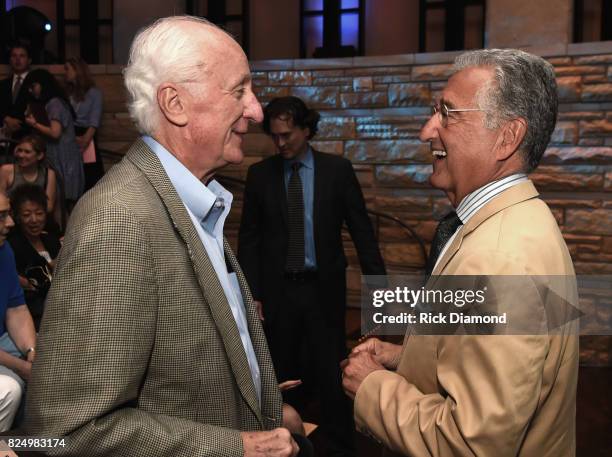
pixel 338 199
pixel 7 107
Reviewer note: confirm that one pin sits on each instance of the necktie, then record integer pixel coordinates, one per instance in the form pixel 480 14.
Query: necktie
pixel 295 211
pixel 16 88
pixel 446 228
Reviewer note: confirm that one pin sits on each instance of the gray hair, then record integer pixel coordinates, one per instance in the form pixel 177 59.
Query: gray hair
pixel 162 52
pixel 524 86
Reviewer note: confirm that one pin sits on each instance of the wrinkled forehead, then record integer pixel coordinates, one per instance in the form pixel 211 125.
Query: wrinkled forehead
pixel 463 86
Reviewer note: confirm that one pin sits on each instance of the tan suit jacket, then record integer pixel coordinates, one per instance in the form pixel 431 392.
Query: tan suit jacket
pixel 139 352
pixel 486 395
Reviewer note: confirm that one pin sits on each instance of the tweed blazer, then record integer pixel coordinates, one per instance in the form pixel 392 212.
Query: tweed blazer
pixel 139 353
pixel 502 395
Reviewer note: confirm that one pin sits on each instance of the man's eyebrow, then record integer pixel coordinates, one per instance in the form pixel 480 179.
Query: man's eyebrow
pixel 448 103
pixel 245 80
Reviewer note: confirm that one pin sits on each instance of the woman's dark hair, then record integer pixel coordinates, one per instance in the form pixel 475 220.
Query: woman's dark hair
pixel 293 108
pixel 28 193
pixel 83 82
pixel 50 87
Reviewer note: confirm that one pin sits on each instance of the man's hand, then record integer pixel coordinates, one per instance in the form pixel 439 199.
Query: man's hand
pixel 259 307
pixel 288 385
pixel 12 124
pixel 355 369
pixel 387 354
pixel 273 443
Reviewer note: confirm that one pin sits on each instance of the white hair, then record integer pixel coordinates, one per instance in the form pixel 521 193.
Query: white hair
pixel 165 51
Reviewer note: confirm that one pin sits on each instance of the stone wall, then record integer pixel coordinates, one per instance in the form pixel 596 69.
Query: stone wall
pixel 373 108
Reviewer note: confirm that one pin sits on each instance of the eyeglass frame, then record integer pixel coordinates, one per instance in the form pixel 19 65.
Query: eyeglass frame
pixel 444 117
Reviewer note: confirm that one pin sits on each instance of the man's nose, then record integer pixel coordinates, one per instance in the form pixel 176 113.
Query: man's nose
pixel 430 130
pixel 10 223
pixel 252 110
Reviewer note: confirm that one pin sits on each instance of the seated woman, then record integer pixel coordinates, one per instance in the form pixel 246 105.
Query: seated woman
pixel 30 168
pixel 17 335
pixel 51 115
pixel 35 250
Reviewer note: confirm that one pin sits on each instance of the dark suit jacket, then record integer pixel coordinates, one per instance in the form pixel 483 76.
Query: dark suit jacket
pixel 7 107
pixel 264 235
pixel 139 353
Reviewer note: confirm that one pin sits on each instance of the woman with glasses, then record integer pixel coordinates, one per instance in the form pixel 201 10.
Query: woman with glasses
pixel 35 249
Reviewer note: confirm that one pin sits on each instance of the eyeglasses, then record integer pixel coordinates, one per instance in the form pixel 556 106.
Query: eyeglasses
pixel 443 111
pixel 4 215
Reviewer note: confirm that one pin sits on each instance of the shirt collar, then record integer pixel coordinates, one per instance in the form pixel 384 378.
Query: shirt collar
pixel 306 161
pixel 22 76
pixel 198 197
pixel 475 200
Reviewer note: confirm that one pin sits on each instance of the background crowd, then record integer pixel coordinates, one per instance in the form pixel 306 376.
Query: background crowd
pixel 50 158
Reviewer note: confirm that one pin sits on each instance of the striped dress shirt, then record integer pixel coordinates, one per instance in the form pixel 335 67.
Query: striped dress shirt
pixel 475 200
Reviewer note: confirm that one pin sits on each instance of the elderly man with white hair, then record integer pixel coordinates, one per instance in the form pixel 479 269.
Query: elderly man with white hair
pixel 150 343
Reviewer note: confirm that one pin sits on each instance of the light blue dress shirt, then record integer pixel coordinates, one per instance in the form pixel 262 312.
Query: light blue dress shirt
pixel 208 207
pixel 306 172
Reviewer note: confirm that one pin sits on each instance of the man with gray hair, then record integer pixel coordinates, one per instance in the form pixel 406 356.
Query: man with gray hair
pixel 468 395
pixel 150 343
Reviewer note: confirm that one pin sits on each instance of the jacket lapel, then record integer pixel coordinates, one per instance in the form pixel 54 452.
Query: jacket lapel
pixel 209 283
pixel 507 198
pixel 270 394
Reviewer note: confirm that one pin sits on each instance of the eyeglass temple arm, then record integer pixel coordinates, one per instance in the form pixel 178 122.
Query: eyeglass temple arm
pixel 462 109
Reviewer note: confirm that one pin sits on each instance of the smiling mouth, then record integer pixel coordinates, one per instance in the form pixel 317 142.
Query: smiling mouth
pixel 438 154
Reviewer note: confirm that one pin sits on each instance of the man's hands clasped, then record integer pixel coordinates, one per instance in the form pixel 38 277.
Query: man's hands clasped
pixel 367 357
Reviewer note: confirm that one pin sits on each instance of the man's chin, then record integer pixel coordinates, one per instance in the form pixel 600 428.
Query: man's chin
pixel 436 181
pixel 234 157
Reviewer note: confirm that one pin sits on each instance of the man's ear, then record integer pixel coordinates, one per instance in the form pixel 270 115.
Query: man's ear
pixel 171 104
pixel 512 135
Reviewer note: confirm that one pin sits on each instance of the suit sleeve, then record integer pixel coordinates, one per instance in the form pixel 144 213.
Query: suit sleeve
pixel 360 226
pixel 94 349
pixel 490 383
pixel 488 387
pixel 249 236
